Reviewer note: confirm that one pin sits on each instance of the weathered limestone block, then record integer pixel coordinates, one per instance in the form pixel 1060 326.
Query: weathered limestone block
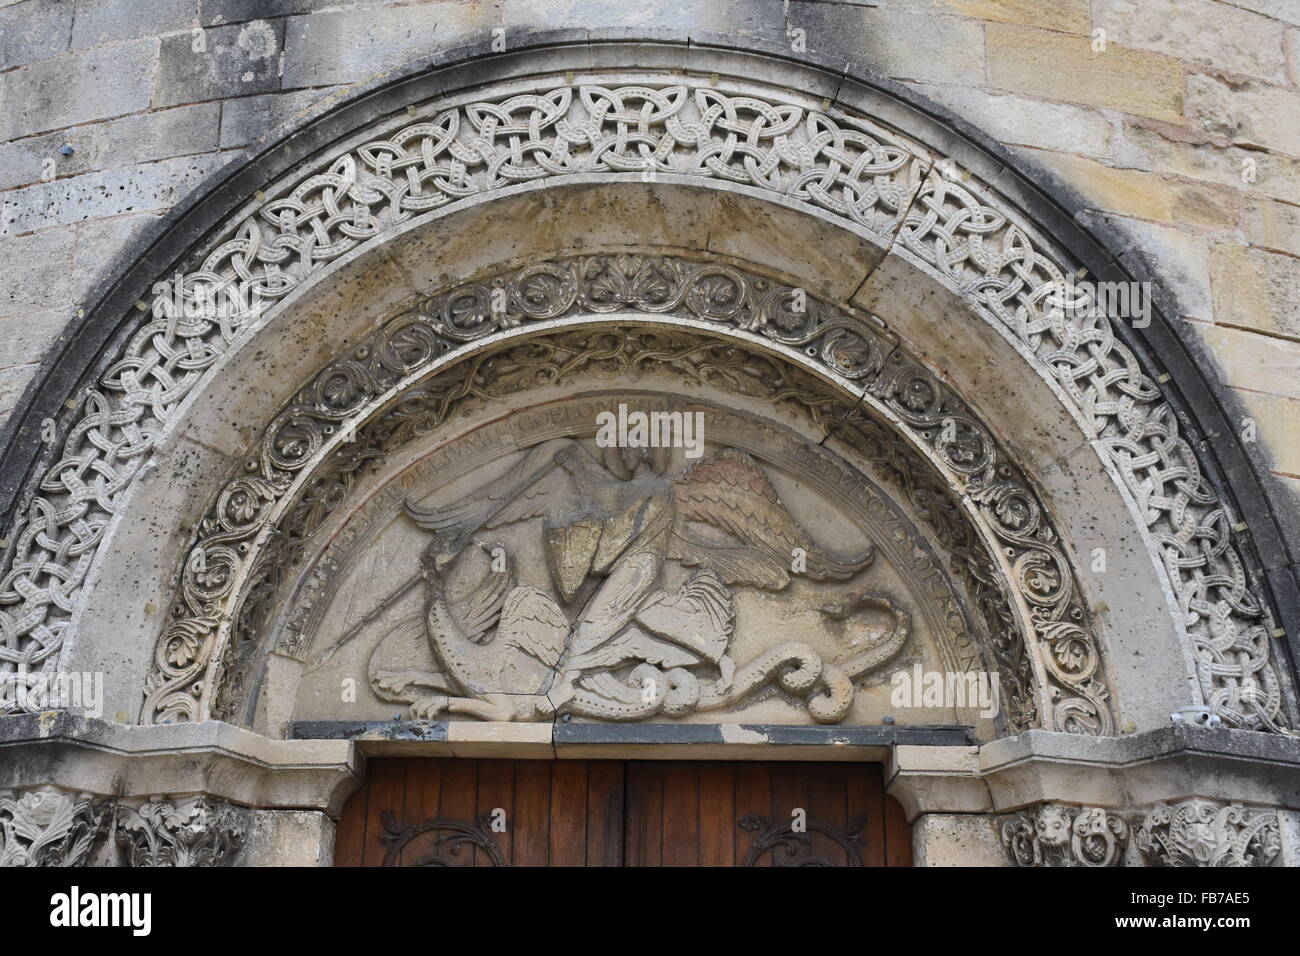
pixel 1255 289
pixel 955 839
pixel 234 61
pixel 901 44
pixel 288 838
pixel 1060 67
pixel 112 192
pixel 108 21
pixel 1146 195
pixel 1249 114
pixel 343 46
pixel 1220 35
pixel 77 87
pixel 33 31
pixel 141 138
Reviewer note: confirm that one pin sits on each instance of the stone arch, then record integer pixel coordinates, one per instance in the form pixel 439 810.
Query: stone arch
pixel 854 160
pixel 331 443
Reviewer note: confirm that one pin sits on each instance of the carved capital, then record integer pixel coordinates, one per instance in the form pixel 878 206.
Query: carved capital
pixel 186 832
pixel 48 827
pixel 1052 835
pixel 1206 833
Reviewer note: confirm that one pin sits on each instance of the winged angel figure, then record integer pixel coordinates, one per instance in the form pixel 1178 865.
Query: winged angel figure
pixel 628 648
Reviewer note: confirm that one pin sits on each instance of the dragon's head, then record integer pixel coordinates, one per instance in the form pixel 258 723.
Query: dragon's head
pixel 443 548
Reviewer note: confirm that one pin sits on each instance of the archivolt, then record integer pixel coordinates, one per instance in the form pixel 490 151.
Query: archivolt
pixel 662 124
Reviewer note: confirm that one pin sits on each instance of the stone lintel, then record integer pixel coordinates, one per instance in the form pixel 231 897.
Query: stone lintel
pixel 1035 767
pixel 930 770
pixel 211 758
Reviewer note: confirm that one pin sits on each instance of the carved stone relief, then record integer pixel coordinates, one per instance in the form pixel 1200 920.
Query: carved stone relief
pixel 767 140
pixel 632 650
pixel 695 587
pixel 1052 835
pixel 185 832
pixel 49 827
pixel 1205 833
pixel 1195 832
pixel 722 296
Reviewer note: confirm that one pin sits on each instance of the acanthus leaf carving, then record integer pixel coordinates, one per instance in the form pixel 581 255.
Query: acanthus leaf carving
pixel 182 832
pixel 48 826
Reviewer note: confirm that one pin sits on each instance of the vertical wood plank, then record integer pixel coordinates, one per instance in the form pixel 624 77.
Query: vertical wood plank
pixel 421 797
pixel 569 813
pixel 718 814
pixel 753 796
pixel 532 830
pixel 789 792
pixel 828 803
pixel 606 807
pixel 644 827
pixel 866 793
pixel 459 798
pixel 387 786
pixel 496 791
pixel 681 814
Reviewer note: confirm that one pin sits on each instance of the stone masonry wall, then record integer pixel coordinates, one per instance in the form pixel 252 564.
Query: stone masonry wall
pixel 1182 134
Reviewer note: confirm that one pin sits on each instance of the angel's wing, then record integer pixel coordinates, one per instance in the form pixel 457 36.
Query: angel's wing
pixel 552 491
pixel 728 493
pixel 737 564
pixel 534 485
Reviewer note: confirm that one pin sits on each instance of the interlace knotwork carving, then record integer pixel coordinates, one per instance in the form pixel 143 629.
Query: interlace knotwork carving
pixel 1205 833
pixel 192 831
pixel 842 165
pixel 49 827
pixel 1052 835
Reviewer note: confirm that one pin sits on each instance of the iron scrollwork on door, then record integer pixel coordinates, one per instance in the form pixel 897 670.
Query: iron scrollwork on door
pixel 451 836
pixel 797 844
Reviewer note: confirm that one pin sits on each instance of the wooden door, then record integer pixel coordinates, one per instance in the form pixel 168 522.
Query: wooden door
pixel 455 812
pixel 690 813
